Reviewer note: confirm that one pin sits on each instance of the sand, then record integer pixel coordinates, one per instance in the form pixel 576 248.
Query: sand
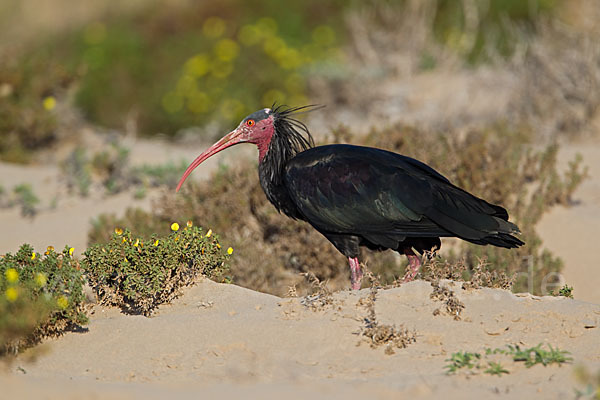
pixel 227 341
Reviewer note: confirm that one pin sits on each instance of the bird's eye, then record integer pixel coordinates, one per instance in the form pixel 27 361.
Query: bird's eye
pixel 250 122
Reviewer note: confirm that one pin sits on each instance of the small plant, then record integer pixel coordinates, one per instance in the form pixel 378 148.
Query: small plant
pixel 25 198
pixel 40 295
pixel 112 166
pixel 22 195
pixel 159 175
pixel 137 274
pixel 462 360
pixel 495 368
pixel 77 173
pixel 531 356
pixel 565 291
pixel 537 355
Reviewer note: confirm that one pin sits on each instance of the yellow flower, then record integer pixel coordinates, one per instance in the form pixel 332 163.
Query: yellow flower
pixel 230 250
pixel 49 250
pixel 40 279
pixel 209 233
pixel 62 302
pixel 11 294
pixel 119 231
pixel 174 226
pixel 137 243
pixel 189 224
pixel 33 255
pixel 218 246
pixel 11 275
pixel 71 250
pixel 49 103
pixel 156 242
pixel 123 240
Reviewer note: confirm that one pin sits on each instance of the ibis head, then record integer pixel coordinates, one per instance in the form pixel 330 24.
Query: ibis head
pixel 260 128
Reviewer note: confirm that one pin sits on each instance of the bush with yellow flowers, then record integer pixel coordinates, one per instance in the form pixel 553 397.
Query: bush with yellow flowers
pixel 137 274
pixel 40 295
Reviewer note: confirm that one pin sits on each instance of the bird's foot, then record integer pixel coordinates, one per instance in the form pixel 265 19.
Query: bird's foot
pixel 414 263
pixel 356 273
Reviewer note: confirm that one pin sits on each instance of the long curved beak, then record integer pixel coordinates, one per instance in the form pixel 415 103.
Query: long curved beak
pixel 233 137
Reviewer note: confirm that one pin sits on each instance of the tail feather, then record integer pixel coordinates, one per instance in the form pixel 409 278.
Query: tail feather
pixel 500 240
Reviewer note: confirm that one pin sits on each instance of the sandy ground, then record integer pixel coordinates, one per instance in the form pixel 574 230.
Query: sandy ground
pixel 226 341
pixel 572 233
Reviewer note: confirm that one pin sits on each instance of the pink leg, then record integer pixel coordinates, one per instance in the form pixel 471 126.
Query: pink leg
pixel 414 263
pixel 356 273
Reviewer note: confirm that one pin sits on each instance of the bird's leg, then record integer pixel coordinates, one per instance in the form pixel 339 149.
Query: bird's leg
pixel 414 263
pixel 356 273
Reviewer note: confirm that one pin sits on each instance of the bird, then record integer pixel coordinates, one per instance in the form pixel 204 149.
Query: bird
pixel 358 196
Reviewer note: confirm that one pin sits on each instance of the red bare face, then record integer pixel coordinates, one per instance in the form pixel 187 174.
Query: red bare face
pixel 257 128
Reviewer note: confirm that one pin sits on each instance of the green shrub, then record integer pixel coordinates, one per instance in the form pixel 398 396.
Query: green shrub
pixel 138 274
pixel 192 63
pixel 22 195
pixel 25 197
pixel 76 171
pixel 166 175
pixel 110 169
pixel 29 84
pixel 40 295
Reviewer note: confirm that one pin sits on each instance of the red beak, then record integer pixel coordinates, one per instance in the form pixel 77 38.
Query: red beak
pixel 233 137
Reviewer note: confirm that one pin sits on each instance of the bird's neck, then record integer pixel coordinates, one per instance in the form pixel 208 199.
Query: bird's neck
pixel 263 149
pixel 273 156
pixel 271 171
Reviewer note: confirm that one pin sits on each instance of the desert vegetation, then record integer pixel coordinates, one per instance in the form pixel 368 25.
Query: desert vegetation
pixel 43 294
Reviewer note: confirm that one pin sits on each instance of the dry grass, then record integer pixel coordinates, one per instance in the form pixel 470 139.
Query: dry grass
pixel 320 297
pixel 377 334
pixel 452 305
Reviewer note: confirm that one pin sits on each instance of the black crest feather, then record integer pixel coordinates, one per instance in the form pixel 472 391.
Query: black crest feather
pixel 291 132
pixel 291 137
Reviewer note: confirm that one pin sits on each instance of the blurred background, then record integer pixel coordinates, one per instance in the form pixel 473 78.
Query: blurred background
pixel 103 104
